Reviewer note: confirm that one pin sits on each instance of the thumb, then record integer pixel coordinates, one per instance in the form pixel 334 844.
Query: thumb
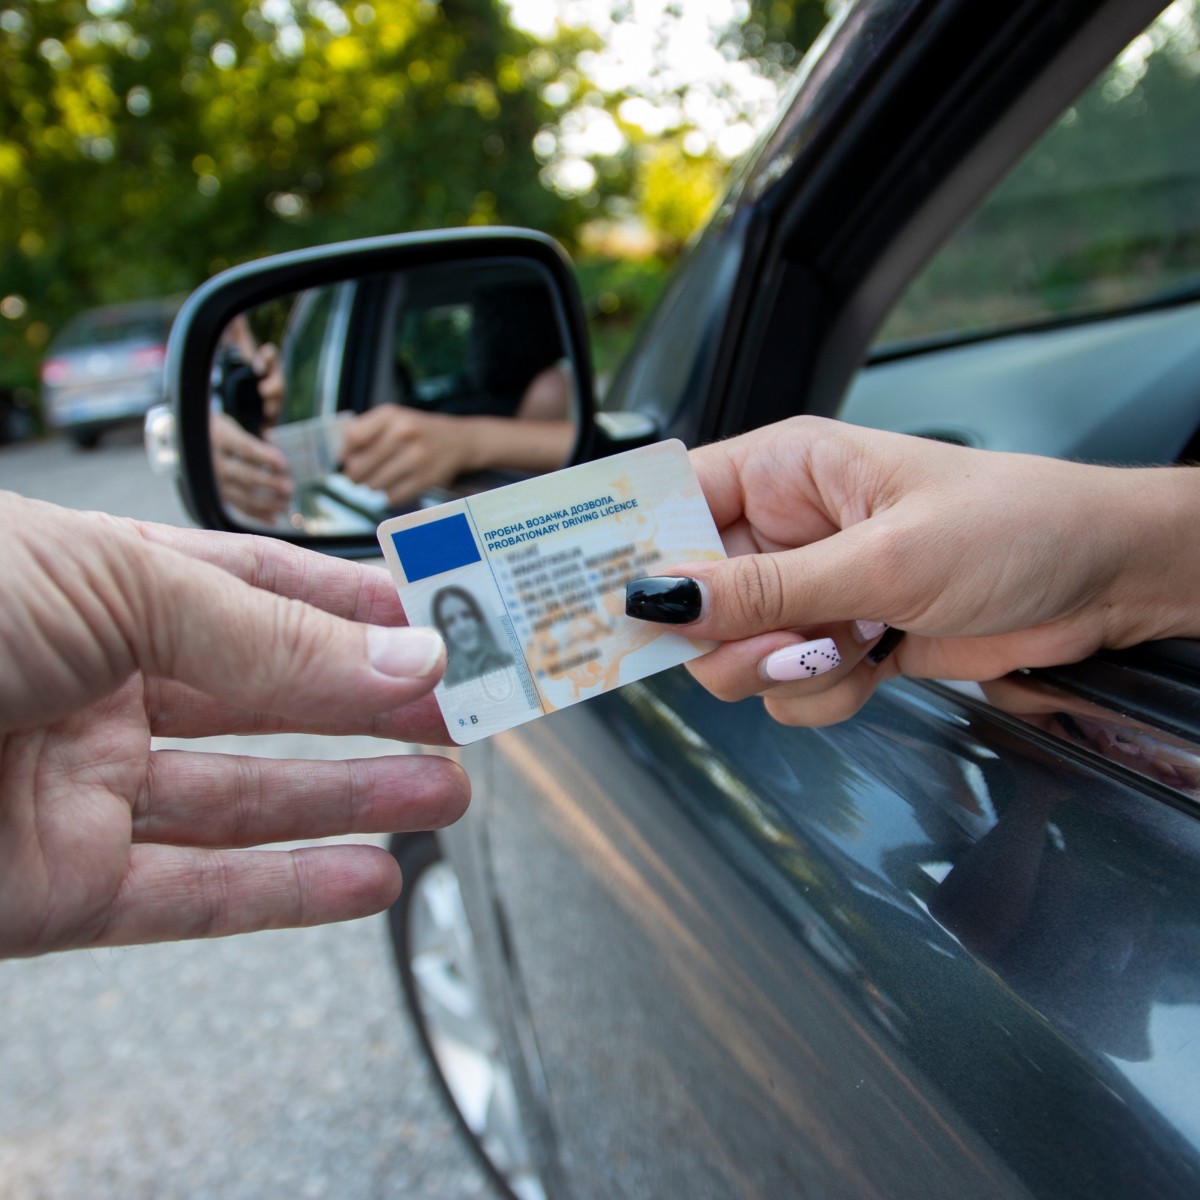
pixel 195 623
pixel 830 580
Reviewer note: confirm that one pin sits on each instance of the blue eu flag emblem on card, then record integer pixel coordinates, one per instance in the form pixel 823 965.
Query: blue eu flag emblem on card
pixel 436 546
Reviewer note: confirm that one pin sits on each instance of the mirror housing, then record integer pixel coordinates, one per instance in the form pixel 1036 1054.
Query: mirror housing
pixel 208 313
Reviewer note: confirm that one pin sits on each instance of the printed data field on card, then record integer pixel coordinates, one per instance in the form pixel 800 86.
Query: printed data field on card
pixel 527 583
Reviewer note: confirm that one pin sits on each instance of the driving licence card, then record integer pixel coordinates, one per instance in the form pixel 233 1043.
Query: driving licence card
pixel 527 583
pixel 313 447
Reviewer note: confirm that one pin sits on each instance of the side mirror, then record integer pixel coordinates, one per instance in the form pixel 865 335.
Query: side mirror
pixel 318 392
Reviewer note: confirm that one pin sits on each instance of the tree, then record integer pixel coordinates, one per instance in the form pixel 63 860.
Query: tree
pixel 653 111
pixel 146 145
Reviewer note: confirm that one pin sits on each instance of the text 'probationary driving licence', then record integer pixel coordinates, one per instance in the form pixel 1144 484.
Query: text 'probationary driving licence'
pixel 527 584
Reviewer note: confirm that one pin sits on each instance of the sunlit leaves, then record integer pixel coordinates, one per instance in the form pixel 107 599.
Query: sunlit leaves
pixel 658 107
pixel 676 192
pixel 145 144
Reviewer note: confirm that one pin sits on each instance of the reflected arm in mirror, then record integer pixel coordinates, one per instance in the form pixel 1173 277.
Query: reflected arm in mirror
pixel 548 397
pixel 404 452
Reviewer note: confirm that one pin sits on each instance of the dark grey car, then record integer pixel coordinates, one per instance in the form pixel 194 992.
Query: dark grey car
pixel 950 948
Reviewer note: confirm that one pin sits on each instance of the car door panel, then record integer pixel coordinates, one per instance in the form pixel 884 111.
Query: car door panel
pixel 691 1043
pixel 768 962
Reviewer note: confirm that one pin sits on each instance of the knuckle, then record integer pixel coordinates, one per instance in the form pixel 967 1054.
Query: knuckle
pixel 298 634
pixel 722 674
pixel 831 707
pixel 888 545
pixel 757 595
pixel 901 555
pixel 357 794
pixel 211 906
pixel 245 807
pixel 303 884
pixel 727 690
pixel 296 644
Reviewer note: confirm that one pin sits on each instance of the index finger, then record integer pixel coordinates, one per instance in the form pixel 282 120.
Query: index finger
pixel 345 589
pixel 716 467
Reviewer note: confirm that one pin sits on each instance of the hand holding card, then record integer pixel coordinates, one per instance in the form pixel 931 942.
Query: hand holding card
pixel 527 584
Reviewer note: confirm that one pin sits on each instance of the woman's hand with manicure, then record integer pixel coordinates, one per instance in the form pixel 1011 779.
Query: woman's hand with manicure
pixel 841 537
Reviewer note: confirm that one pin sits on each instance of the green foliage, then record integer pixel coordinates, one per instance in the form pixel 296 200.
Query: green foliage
pixel 144 149
pixel 619 293
pixel 777 32
pixel 147 144
pixel 671 153
pixel 675 192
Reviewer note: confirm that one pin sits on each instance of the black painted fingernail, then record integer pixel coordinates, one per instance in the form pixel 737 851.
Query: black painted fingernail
pixel 667 599
pixel 886 644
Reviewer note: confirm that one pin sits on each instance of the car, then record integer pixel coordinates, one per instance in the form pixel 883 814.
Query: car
pixel 950 947
pixel 105 368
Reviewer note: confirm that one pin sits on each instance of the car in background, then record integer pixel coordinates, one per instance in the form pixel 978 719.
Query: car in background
pixel 106 368
pixel 949 948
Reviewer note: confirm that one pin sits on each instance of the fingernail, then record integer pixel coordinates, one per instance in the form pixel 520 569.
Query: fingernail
pixel 885 646
pixel 667 599
pixel 801 661
pixel 867 631
pixel 410 653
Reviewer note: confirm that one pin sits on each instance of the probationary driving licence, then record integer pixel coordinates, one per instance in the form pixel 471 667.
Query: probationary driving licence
pixel 527 584
pixel 313 447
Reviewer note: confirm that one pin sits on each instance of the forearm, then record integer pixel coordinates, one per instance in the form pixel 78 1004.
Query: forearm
pixel 1156 592
pixel 989 562
pixel 520 445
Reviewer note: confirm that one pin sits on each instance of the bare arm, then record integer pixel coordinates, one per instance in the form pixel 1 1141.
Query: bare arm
pixel 988 561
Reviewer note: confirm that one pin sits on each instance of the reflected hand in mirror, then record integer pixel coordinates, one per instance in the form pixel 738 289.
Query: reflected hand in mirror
pixel 403 452
pixel 249 376
pixel 388 391
pixel 254 475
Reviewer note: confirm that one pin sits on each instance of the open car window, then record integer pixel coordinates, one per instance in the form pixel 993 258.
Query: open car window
pixel 1063 317
pixel 1102 216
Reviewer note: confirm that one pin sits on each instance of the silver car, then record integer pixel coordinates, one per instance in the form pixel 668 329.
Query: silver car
pixel 106 368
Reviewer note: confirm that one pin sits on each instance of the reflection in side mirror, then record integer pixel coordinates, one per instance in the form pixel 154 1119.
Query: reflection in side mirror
pixel 336 406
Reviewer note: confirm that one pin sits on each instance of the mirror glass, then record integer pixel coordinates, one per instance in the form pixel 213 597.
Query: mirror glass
pixel 338 406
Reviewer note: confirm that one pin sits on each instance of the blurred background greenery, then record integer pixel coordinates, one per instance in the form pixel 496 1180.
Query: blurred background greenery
pixel 1103 214
pixel 146 145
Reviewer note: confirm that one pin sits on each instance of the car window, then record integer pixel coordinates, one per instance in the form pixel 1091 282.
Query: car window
pixel 431 346
pixel 110 328
pixel 312 351
pixel 1063 318
pixel 1102 216
pixel 688 318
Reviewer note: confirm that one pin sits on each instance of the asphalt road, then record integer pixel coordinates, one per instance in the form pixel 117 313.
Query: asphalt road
pixel 271 1065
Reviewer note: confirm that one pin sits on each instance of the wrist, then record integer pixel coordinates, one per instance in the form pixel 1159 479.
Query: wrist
pixel 470 435
pixel 1155 592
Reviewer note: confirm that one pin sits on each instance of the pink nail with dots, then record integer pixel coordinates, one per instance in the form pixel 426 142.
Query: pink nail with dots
pixel 802 661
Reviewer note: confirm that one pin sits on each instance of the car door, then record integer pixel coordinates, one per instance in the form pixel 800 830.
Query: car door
pixel 947 948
